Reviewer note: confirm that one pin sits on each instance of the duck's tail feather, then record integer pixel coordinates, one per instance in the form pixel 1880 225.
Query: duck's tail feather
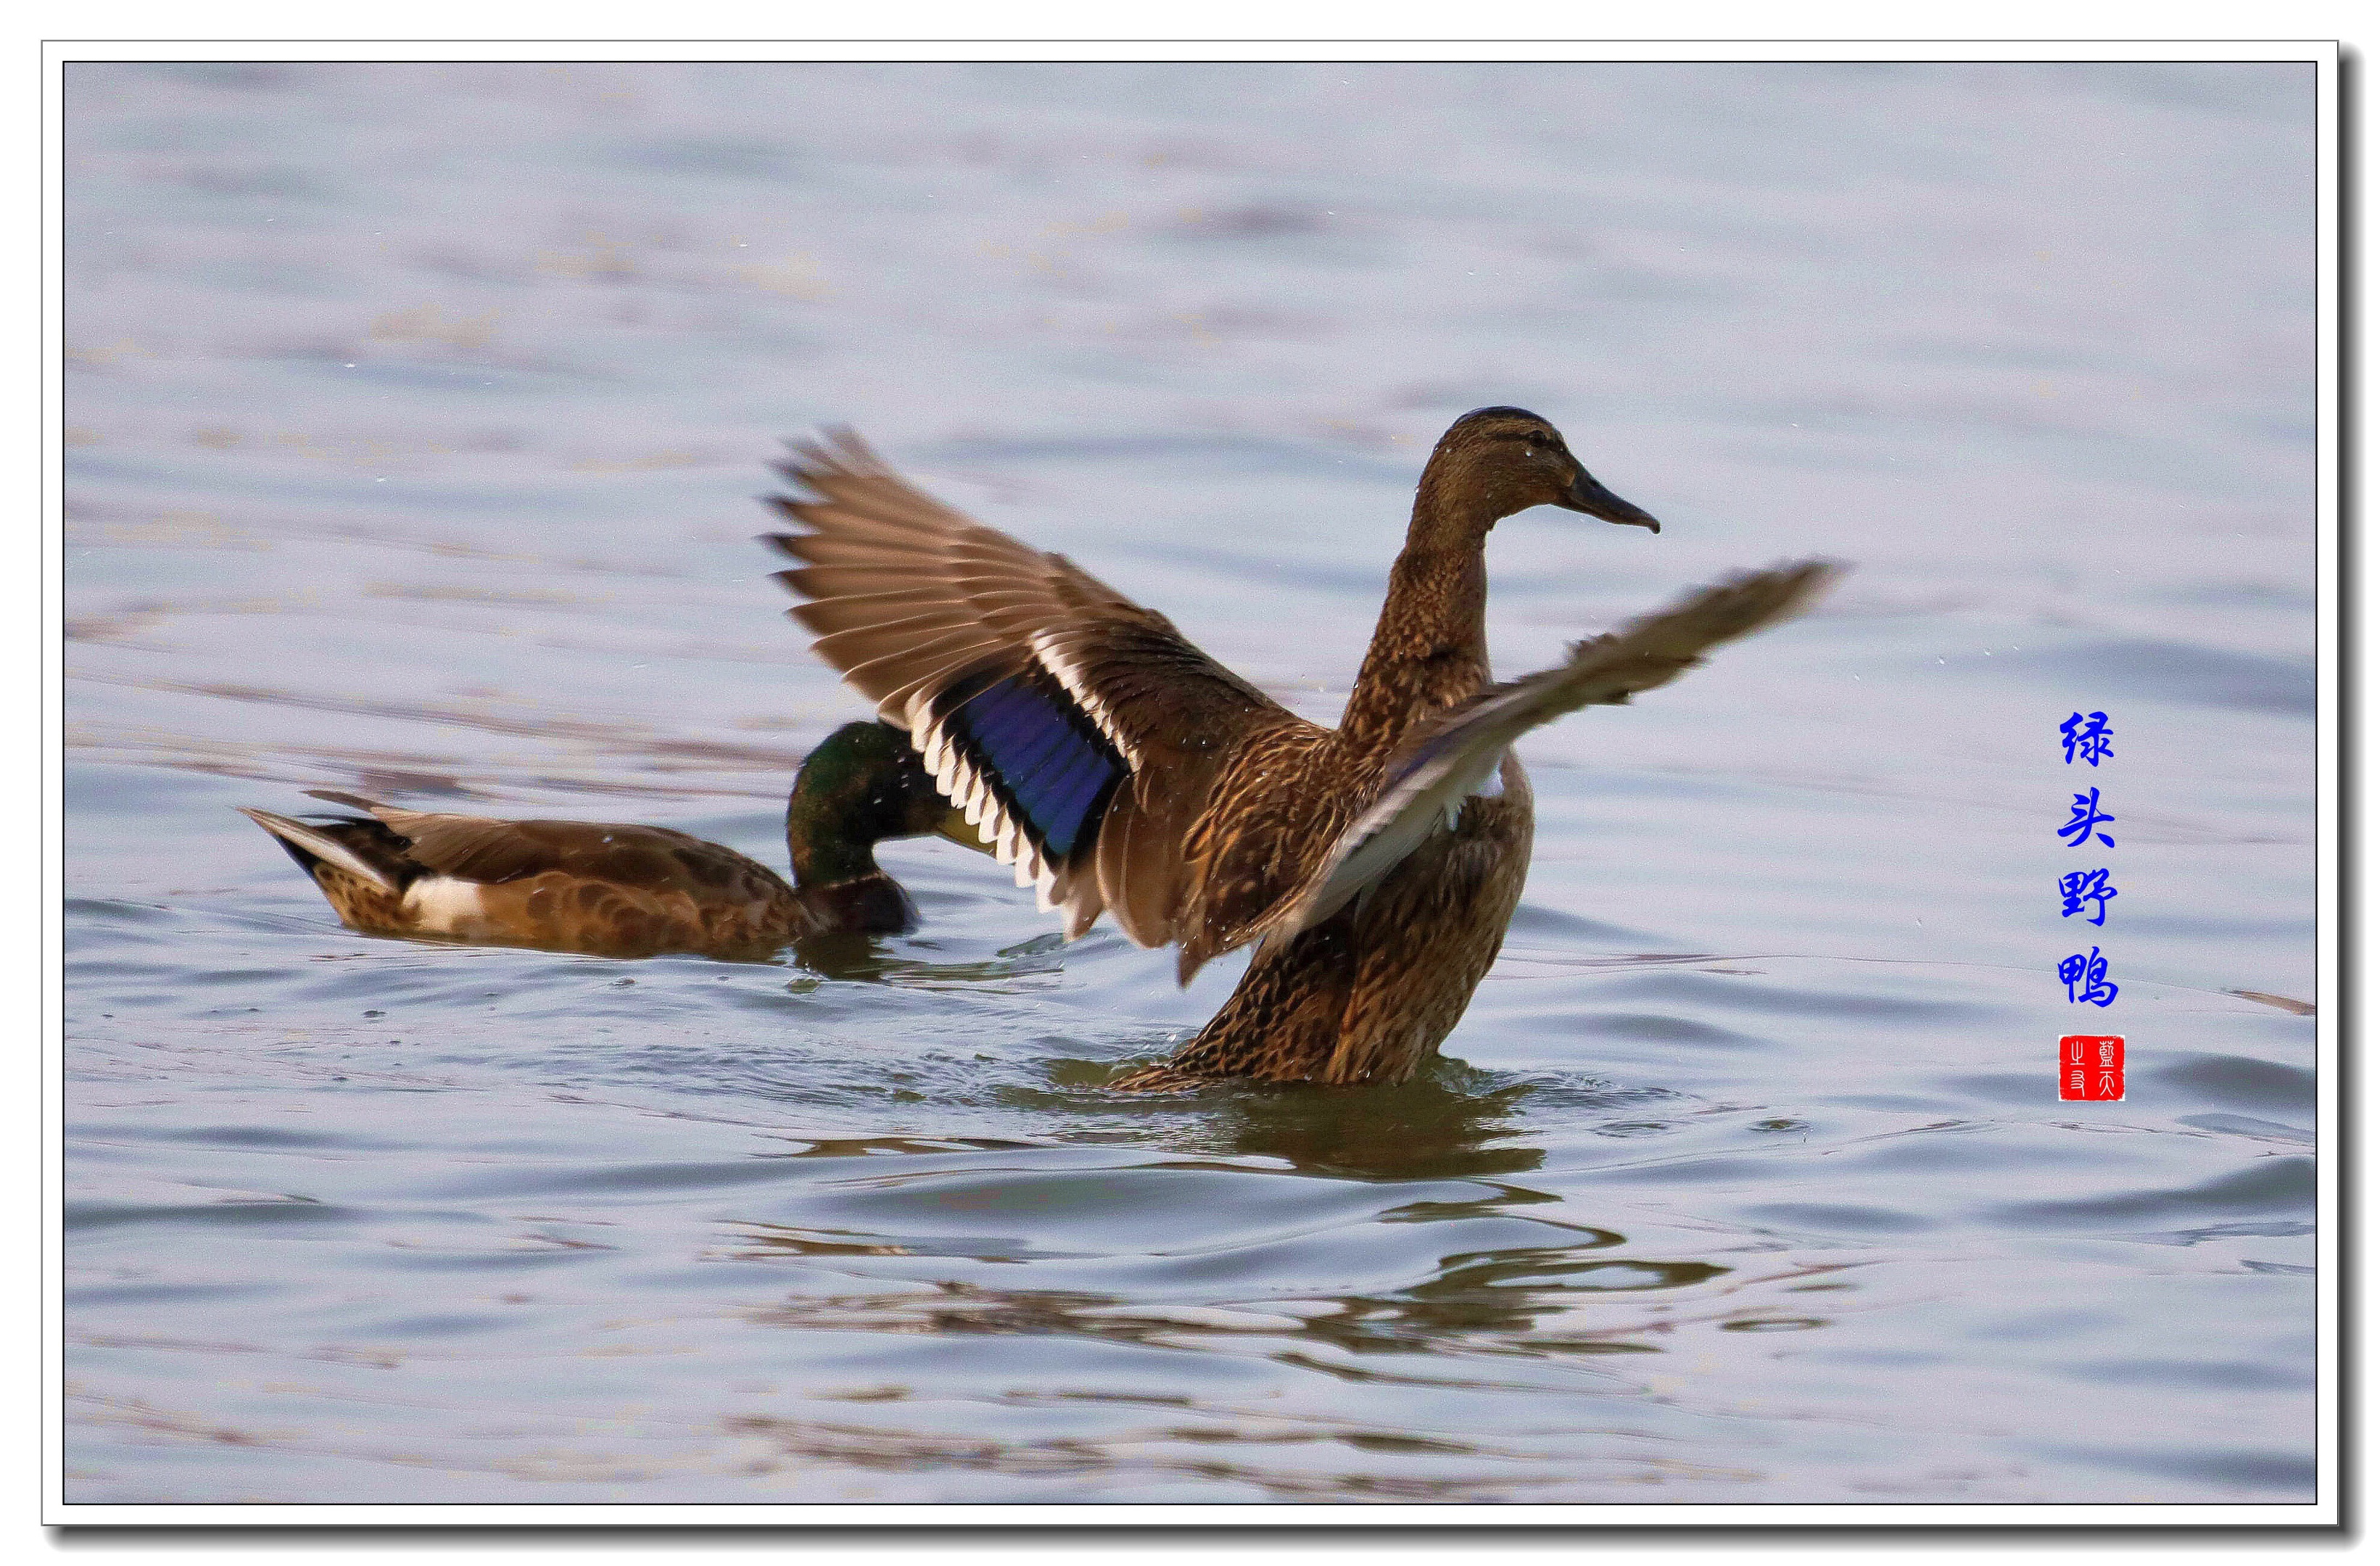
pixel 310 845
pixel 1455 756
pixel 353 801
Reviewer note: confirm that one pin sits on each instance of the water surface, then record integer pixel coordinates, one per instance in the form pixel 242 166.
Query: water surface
pixel 415 418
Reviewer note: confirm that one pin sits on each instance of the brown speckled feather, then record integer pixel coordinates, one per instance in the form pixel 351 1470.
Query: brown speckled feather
pixel 617 891
pixel 1446 757
pixel 911 600
pixel 575 886
pixel 1376 864
pixel 657 860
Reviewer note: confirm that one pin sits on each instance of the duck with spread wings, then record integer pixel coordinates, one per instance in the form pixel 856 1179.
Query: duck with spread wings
pixel 1374 866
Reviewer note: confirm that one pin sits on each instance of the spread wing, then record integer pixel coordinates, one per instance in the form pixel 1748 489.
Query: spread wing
pixel 1455 754
pixel 1080 733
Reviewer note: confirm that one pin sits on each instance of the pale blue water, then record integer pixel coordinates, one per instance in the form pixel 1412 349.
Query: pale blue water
pixel 415 418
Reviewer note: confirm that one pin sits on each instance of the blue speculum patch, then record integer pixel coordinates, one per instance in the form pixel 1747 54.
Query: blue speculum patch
pixel 1039 753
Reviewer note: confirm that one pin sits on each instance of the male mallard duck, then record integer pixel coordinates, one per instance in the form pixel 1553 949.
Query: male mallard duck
pixel 631 892
pixel 1120 769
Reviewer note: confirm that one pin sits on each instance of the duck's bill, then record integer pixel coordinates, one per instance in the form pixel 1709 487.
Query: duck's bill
pixel 954 827
pixel 1591 497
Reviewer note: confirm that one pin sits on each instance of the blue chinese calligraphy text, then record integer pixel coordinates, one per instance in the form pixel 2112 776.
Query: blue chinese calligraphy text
pixel 2087 816
pixel 2081 887
pixel 2086 979
pixel 2088 738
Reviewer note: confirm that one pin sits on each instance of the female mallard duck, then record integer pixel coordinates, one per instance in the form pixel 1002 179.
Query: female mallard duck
pixel 632 891
pixel 1120 769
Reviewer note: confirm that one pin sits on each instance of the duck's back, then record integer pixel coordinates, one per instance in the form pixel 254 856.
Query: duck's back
pixel 617 891
pixel 575 886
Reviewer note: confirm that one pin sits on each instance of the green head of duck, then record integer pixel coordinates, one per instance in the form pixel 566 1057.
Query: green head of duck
pixel 864 782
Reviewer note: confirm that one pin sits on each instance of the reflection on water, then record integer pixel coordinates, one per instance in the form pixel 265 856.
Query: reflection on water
pixel 414 419
pixel 1449 1122
pixel 844 955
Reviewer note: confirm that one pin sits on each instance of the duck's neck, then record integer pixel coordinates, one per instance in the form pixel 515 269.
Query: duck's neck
pixel 868 905
pixel 1430 648
pixel 820 845
pixel 836 877
pixel 845 797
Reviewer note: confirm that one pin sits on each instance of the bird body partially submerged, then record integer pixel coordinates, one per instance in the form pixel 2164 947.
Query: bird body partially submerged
pixel 1121 770
pixel 617 890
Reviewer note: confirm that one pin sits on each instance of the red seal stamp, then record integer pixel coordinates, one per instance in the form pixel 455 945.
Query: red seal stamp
pixel 2091 1065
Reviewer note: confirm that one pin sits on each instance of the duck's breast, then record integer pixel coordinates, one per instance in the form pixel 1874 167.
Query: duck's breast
pixel 1428 934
